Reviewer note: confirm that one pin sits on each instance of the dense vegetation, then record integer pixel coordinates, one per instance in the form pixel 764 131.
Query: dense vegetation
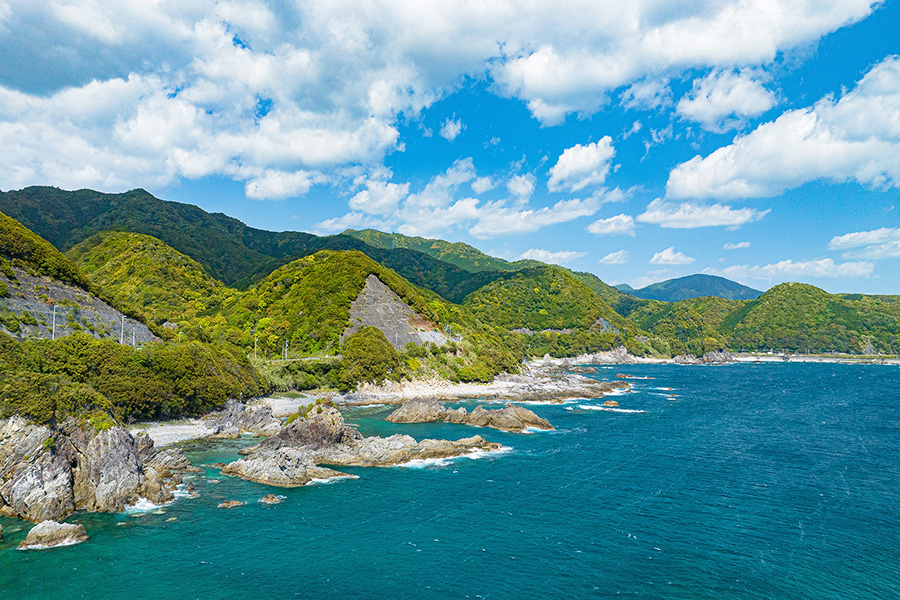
pixel 77 375
pixel 462 255
pixel 147 275
pixel 543 298
pixel 22 248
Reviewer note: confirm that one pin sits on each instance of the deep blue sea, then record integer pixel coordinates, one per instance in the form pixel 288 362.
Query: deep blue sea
pixel 756 481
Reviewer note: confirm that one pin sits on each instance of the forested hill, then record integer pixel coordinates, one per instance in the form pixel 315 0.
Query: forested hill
pixel 693 286
pixel 462 255
pixel 228 249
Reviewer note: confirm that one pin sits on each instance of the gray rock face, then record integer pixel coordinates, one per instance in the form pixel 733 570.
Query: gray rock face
pixel 377 305
pixel 292 457
pixel 49 534
pixel 35 473
pixel 238 418
pixel 47 474
pixel 509 418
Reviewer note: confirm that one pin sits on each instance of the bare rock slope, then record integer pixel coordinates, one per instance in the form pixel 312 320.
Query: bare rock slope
pixel 509 418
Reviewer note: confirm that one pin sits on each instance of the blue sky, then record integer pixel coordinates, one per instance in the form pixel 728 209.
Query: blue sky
pixel 638 141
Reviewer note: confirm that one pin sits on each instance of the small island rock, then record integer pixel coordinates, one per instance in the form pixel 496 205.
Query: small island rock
pixel 271 499
pixel 231 504
pixel 509 418
pixel 611 403
pixel 49 534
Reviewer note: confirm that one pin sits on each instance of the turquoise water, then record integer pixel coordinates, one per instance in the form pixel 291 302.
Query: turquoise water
pixel 756 481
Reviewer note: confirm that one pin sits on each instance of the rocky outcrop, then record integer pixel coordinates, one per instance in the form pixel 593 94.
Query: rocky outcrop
pixel 238 418
pixel 509 418
pixel 716 357
pixel 49 534
pixel 231 504
pixel 48 473
pixel 271 499
pixel 291 457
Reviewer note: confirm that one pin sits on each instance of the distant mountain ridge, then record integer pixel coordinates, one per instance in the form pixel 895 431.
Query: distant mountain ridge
pixel 692 286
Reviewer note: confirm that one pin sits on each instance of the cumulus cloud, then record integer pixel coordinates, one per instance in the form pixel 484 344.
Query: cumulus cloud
pixel 451 129
pixel 521 186
pixel 824 267
pixel 725 98
pixel 483 184
pixel 237 88
pixel 615 258
pixel 496 219
pixel 855 138
pixel 670 257
pixel 278 185
pixel 557 258
pixel 647 95
pixel 379 197
pixel 735 246
pixel 619 224
pixel 689 216
pixel 581 166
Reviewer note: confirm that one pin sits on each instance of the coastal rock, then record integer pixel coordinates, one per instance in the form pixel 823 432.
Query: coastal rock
pixel 49 534
pixel 237 418
pixel 291 458
pixel 271 499
pixel 509 418
pixel 47 474
pixel 611 403
pixel 35 472
pixel 231 504
pixel 282 467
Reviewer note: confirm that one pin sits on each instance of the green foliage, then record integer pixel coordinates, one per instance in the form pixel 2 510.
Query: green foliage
pixel 304 411
pixel 30 251
pixel 76 375
pixel 368 356
pixel 542 298
pixel 101 421
pixel 148 276
pixel 4 290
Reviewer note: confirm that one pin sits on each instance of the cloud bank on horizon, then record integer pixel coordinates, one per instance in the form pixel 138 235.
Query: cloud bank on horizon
pixel 601 134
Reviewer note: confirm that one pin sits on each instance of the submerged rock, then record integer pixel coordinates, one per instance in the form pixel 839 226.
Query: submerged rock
pixel 509 418
pixel 291 458
pixel 49 534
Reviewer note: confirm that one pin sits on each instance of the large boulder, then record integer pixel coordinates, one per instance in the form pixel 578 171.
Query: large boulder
pixel 49 534
pixel 107 473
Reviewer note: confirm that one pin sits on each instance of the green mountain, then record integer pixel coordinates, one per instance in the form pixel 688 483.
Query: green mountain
pixel 147 275
pixel 800 317
pixel 692 286
pixel 462 255
pixel 21 247
pixel 540 298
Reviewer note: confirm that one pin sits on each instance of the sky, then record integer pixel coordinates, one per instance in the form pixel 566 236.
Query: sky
pixel 757 140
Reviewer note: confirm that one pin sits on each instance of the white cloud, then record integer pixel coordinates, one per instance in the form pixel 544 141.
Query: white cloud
pixel 278 185
pixel 670 257
pixel 379 197
pixel 735 246
pixel 236 88
pixel 824 267
pixel 724 98
pixel 451 129
pixel 875 244
pixel 496 219
pixel 619 224
pixel 482 185
pixel 557 258
pixel 864 238
pixel 856 138
pixel 647 95
pixel 353 220
pixel 521 186
pixel 690 216
pixel 581 166
pixel 615 258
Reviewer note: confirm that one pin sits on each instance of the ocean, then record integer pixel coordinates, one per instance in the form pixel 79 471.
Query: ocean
pixel 754 481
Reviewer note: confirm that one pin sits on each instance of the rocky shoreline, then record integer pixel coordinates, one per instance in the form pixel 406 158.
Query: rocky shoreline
pixel 293 456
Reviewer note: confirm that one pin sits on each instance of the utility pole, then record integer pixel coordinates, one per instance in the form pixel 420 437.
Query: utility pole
pixel 254 346
pixel 122 332
pixel 53 334
pixel 133 345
